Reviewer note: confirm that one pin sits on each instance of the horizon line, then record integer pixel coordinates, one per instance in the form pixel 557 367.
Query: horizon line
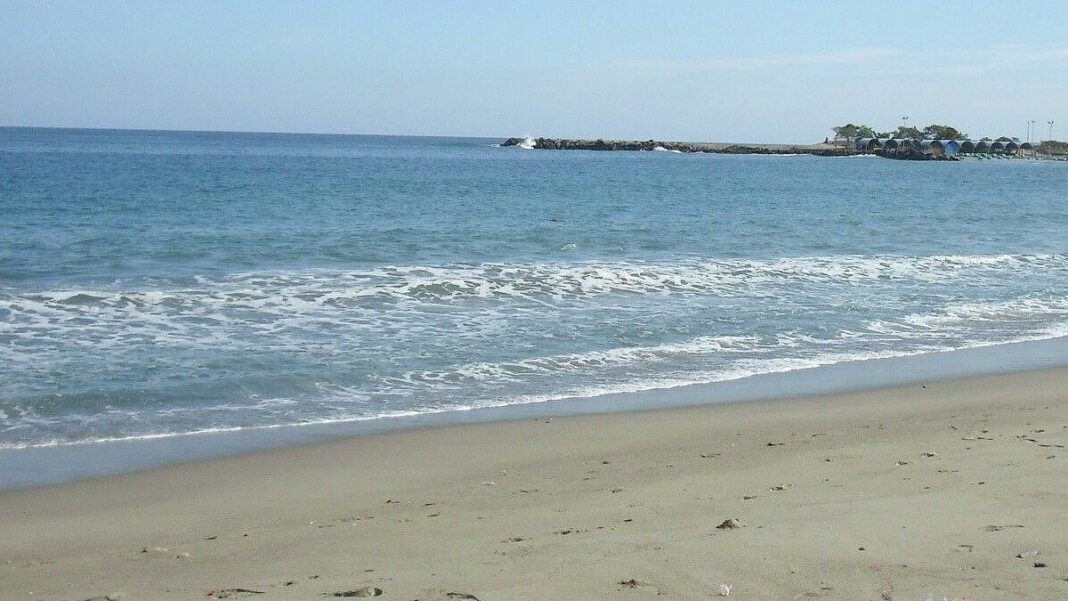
pixel 236 131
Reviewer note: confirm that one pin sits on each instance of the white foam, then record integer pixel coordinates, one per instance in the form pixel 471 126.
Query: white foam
pixel 741 371
pixel 866 306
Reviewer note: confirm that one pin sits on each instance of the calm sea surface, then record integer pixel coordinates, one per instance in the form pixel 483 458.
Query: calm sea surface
pixel 158 283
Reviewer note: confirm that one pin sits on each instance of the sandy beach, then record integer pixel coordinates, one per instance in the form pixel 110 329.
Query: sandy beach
pixel 953 489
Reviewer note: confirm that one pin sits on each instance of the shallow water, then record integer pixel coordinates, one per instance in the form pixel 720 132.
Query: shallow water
pixel 158 283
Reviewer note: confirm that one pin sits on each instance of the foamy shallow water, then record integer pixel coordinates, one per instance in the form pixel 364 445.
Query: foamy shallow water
pixel 159 284
pixel 52 464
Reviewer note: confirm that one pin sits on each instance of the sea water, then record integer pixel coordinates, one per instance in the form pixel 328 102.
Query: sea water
pixel 155 284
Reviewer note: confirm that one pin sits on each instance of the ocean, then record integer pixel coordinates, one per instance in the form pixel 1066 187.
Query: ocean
pixel 158 284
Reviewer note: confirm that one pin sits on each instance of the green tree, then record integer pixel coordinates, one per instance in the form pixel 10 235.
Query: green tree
pixel 847 131
pixel 851 132
pixel 1053 147
pixel 907 132
pixel 936 131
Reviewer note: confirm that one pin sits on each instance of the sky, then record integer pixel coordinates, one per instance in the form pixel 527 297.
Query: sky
pixel 746 71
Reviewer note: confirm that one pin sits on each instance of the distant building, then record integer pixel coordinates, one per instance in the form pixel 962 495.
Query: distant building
pixel 907 148
pixel 950 147
pixel 868 145
pixel 932 148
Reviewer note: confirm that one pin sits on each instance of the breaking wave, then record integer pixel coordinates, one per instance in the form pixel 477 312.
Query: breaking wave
pixel 265 349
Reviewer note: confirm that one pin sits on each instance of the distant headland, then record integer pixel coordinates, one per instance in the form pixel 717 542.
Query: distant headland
pixel 934 142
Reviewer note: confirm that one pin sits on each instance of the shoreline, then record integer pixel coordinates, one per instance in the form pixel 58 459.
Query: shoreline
pixel 926 489
pixel 49 465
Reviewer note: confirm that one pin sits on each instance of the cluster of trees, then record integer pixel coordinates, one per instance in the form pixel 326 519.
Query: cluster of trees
pixel 935 131
pixel 1053 147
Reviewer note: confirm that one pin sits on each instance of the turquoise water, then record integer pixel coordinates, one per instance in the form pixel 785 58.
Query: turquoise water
pixel 162 283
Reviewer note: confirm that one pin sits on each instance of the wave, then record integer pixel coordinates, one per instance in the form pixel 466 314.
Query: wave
pixel 738 371
pixel 245 305
pixel 319 346
pixel 540 280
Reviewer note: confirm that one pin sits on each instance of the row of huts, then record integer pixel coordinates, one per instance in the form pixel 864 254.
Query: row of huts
pixel 906 148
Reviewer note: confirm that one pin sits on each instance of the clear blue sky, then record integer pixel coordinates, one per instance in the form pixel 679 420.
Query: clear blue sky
pixel 707 71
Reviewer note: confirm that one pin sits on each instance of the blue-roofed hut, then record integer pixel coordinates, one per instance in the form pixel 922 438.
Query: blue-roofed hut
pixel 950 147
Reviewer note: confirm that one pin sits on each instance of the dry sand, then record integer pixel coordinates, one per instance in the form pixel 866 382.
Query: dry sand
pixel 921 492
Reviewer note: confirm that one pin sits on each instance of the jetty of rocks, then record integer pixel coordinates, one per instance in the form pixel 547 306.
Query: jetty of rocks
pixel 660 145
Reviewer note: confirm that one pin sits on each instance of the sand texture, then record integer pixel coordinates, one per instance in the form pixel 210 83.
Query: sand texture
pixel 955 489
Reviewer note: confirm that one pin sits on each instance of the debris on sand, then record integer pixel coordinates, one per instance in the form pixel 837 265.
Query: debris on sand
pixel 1000 527
pixel 731 524
pixel 232 592
pixel 367 591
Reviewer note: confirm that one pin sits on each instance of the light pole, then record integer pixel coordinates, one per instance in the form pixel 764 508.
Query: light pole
pixel 1050 140
pixel 905 122
pixel 1030 136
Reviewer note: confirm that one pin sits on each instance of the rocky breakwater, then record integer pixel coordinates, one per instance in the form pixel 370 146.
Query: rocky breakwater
pixel 659 145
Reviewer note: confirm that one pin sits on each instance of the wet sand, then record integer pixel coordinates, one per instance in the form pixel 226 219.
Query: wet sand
pixel 954 489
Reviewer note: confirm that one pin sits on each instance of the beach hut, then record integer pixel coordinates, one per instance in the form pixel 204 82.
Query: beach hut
pixel 950 147
pixel 869 145
pixel 1026 146
pixel 905 147
pixel 932 148
pixel 967 146
pixel 1011 147
pixel 983 146
pixel 997 147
